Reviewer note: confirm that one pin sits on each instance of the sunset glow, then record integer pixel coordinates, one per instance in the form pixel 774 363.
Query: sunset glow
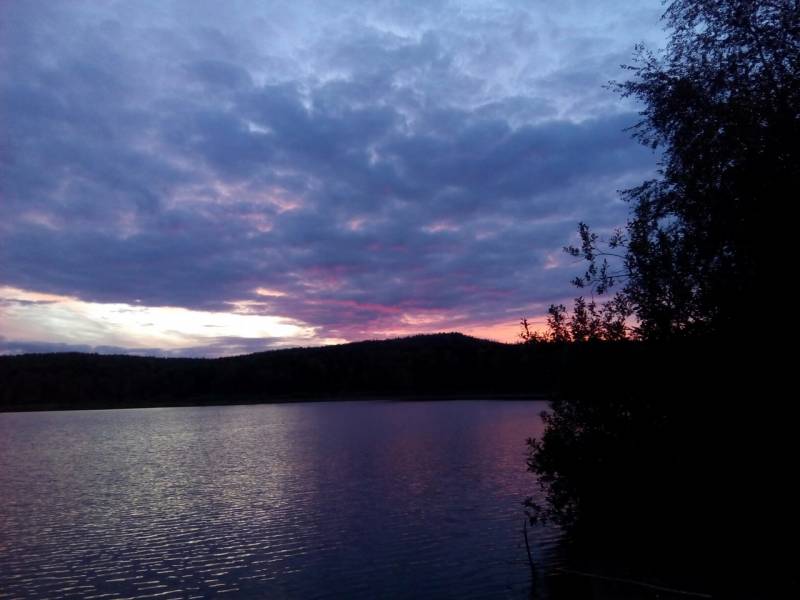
pixel 185 178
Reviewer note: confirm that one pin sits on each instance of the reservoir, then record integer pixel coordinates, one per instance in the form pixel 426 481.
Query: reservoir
pixel 366 499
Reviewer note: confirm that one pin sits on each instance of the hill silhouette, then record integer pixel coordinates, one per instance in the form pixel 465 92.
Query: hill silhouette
pixel 437 365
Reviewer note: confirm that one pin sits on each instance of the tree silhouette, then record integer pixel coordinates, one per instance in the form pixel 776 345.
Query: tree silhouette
pixel 721 102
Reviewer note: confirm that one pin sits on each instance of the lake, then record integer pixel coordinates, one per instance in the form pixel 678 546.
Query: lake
pixel 306 500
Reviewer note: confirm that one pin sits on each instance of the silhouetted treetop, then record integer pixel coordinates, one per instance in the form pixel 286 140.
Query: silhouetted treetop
pixel 721 102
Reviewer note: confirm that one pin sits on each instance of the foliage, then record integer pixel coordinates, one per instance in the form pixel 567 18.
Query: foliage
pixel 530 336
pixel 589 322
pixel 722 104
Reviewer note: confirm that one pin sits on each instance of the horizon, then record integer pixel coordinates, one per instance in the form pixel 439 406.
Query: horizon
pixel 195 180
pixel 160 353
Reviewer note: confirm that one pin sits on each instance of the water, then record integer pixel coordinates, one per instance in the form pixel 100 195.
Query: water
pixel 312 500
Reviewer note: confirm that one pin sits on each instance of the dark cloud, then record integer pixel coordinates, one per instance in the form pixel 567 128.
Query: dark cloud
pixel 216 347
pixel 26 347
pixel 372 165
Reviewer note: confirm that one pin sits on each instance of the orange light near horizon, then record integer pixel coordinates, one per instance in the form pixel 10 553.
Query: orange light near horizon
pixel 506 332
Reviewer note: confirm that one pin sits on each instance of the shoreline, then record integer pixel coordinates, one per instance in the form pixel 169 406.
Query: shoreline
pixel 197 402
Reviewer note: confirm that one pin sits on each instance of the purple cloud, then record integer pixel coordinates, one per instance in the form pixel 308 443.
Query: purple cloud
pixel 385 169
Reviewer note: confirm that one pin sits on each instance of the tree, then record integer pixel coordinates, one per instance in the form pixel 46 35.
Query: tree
pixel 529 336
pixel 588 323
pixel 721 102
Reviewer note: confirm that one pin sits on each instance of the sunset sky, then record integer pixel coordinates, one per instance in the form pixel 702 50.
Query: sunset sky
pixel 211 178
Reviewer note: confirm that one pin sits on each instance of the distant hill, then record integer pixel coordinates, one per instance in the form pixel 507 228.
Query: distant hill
pixel 440 365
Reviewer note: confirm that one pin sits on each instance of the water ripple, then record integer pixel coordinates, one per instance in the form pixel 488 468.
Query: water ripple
pixel 356 500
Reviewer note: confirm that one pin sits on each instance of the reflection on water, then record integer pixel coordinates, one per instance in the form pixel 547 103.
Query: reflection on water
pixel 346 499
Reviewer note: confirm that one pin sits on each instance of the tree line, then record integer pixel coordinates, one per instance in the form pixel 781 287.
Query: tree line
pixel 430 365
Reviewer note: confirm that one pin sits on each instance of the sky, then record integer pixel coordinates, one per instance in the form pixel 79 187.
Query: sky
pixel 205 178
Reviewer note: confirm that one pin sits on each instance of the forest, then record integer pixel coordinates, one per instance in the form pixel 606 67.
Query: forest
pixel 430 366
pixel 424 366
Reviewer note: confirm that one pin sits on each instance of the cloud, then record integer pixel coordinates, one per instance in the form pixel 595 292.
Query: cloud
pixel 382 166
pixel 70 324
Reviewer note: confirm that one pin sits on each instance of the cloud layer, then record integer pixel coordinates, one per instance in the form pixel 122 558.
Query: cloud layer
pixel 365 171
